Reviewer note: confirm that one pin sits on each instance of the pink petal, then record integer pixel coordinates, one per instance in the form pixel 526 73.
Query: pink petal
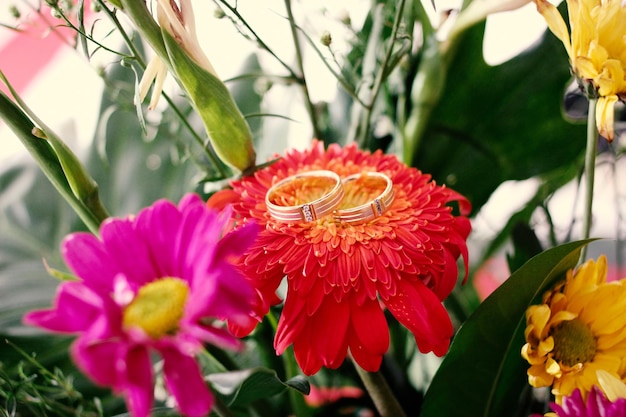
pixel 184 381
pixel 188 201
pixel 237 241
pixel 129 251
pixel 101 360
pixel 196 240
pixel 159 225
pixel 86 256
pixel 223 291
pixel 138 385
pixel 76 308
pixel 213 335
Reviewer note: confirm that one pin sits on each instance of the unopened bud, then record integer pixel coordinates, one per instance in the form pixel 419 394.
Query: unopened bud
pixel 218 13
pixel 326 39
pixel 344 17
pixel 15 12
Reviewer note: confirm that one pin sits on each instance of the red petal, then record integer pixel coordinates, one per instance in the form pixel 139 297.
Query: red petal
pixel 291 323
pixel 420 311
pixel 370 327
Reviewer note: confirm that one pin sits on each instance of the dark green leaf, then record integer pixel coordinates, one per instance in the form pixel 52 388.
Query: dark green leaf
pixel 499 123
pixel 241 388
pixel 483 371
pixel 299 383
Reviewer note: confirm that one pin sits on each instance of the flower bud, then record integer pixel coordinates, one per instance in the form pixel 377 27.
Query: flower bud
pixel 326 39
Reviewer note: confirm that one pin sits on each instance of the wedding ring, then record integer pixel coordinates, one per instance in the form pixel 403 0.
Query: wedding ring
pixel 372 209
pixel 287 189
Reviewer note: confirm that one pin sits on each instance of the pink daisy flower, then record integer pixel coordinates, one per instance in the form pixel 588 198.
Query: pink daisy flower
pixel 161 282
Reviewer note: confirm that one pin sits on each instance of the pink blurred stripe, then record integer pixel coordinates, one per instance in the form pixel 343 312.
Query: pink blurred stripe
pixel 28 53
pixel 25 56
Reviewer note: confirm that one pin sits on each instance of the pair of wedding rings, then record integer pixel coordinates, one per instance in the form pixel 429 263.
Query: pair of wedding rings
pixel 329 202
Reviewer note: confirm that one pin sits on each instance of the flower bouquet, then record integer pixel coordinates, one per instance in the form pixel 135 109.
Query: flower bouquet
pixel 241 247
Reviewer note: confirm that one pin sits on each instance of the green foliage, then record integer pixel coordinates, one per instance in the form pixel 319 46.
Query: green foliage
pixel 484 369
pixel 499 123
pixel 240 388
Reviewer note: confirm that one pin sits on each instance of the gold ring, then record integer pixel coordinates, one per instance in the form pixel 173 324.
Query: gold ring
pixel 372 209
pixel 309 211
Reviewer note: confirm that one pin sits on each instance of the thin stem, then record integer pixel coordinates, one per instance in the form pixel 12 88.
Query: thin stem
pixel 380 393
pixel 209 151
pixel 382 74
pixel 82 33
pixel 298 406
pixel 348 88
pixel 257 38
pixel 220 408
pixel 590 165
pixel 368 69
pixel 299 61
pixel 619 243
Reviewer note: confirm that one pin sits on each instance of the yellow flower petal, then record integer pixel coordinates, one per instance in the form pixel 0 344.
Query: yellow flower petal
pixel 605 115
pixel 612 386
pixel 555 23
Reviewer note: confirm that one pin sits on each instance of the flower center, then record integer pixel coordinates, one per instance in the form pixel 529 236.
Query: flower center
pixel 157 307
pixel 573 343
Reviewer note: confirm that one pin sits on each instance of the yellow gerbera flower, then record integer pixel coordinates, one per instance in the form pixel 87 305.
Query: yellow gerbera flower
pixel 597 49
pixel 579 329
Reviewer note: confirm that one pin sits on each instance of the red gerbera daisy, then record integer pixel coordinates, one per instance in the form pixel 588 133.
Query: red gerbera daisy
pixel 338 274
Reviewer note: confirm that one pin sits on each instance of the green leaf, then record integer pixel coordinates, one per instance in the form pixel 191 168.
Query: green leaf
pixel 241 388
pixel 503 122
pixel 82 185
pixel 484 371
pixel 90 210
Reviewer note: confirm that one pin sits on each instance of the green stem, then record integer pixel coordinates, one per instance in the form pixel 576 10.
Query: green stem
pixel 381 76
pixel 380 393
pixel 298 406
pixel 254 37
pixel 590 165
pixel 208 149
pixel 90 210
pixel 220 408
pixel 301 79
pixel 369 61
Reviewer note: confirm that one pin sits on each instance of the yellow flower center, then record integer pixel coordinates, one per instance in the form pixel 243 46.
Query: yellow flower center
pixel 573 343
pixel 158 307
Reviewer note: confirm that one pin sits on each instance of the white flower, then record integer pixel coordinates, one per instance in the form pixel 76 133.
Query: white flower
pixel 180 24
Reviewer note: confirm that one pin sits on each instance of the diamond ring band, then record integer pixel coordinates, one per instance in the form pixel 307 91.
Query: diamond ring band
pixel 279 195
pixel 372 209
pixel 283 199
